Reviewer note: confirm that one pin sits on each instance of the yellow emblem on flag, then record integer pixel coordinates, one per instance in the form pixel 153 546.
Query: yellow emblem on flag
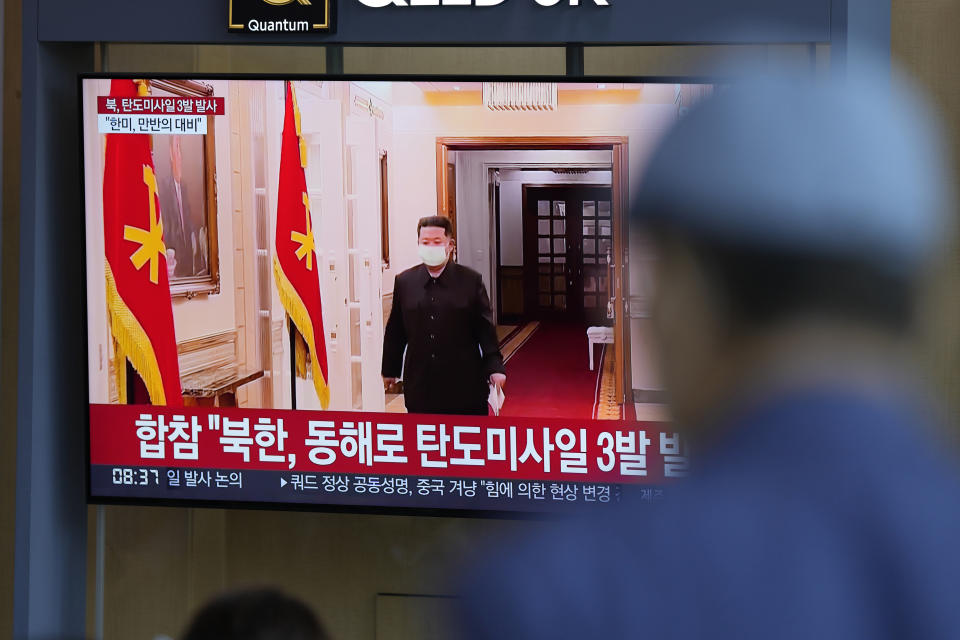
pixel 151 241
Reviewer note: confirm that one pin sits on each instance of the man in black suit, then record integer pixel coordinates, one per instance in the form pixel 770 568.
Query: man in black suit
pixel 441 315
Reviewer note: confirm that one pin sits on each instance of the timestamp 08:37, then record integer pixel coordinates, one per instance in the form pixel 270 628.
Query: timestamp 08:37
pixel 136 477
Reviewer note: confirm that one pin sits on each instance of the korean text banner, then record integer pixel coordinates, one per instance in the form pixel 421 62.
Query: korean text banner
pixel 378 458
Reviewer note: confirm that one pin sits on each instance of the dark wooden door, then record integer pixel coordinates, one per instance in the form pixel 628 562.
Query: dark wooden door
pixel 567 234
pixel 597 253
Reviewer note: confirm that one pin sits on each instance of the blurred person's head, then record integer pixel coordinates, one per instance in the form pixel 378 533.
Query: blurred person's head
pixel 255 614
pixel 435 240
pixel 790 223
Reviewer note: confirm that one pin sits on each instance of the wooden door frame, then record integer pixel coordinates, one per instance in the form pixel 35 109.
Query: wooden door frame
pixel 620 184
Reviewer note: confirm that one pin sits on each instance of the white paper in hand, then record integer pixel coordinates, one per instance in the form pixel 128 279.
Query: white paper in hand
pixel 496 398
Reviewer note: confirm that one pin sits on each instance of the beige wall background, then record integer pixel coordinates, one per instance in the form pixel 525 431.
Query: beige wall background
pixel 161 563
pixel 926 44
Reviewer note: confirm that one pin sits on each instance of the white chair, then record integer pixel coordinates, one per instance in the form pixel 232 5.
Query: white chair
pixel 598 335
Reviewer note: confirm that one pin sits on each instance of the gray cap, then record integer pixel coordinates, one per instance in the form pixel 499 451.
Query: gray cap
pixel 845 169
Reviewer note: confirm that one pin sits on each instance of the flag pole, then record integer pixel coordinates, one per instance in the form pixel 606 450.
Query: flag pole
pixel 131 374
pixel 293 362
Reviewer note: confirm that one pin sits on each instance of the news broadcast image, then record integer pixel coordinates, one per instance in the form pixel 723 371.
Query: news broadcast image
pixel 415 294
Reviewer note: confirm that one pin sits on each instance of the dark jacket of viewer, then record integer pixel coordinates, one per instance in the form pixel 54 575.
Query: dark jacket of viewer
pixel 823 513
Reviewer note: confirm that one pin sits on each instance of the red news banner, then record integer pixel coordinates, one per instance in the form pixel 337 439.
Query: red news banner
pixel 614 452
pixel 160 105
pixel 157 115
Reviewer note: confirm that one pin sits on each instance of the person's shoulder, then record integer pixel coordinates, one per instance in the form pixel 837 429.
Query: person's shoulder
pixel 750 537
pixel 465 272
pixel 409 274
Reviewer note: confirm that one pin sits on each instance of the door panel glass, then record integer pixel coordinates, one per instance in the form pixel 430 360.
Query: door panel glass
pixel 563 286
pixel 580 286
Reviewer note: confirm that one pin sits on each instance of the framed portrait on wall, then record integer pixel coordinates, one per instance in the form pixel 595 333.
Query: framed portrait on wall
pixel 186 185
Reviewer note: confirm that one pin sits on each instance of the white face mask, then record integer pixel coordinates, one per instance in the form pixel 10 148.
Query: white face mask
pixel 433 255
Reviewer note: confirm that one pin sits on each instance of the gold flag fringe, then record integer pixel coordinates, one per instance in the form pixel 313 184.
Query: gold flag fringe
pixel 120 371
pixel 131 343
pixel 301 319
pixel 300 355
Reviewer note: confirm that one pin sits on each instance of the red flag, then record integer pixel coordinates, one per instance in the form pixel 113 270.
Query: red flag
pixel 138 292
pixel 295 264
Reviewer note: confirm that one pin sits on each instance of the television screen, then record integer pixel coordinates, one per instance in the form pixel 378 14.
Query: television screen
pixel 417 294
